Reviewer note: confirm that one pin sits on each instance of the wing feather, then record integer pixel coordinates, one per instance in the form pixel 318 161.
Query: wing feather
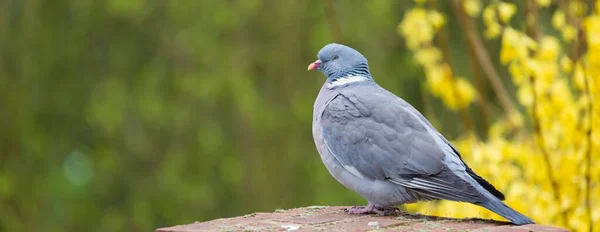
pixel 382 139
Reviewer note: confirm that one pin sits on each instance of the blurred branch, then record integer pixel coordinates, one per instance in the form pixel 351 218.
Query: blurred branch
pixel 588 154
pixel 578 46
pixel 334 26
pixel 483 58
pixel 533 31
pixel 479 82
pixel 581 49
pixel 442 43
pixel 427 106
pixel 532 16
pixel 483 101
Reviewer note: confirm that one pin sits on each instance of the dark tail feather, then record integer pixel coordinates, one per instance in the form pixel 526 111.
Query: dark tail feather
pixel 503 210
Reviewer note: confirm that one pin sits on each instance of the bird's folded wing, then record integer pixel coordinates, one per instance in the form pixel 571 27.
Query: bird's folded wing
pixel 373 136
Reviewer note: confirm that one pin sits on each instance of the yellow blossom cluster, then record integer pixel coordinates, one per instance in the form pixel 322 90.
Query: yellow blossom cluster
pixel 419 27
pixel 547 166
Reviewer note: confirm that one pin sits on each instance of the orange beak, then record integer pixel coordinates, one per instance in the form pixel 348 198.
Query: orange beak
pixel 314 65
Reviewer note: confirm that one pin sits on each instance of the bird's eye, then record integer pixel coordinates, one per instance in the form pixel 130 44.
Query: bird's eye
pixel 335 57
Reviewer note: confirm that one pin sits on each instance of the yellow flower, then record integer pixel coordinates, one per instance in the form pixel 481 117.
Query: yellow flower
pixel 566 64
pixel 437 20
pixel 578 77
pixel 472 7
pixel 525 95
pixel 493 31
pixel 516 118
pixel 592 31
pixel 506 11
pixel 489 15
pixel 515 45
pixel 549 48
pixel 544 3
pixel 437 78
pixel 568 33
pixel 509 51
pixel 558 19
pixel 512 150
pixel 465 91
pixel 416 29
pixel 428 56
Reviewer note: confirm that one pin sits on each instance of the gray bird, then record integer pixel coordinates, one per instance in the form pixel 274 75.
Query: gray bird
pixel 381 147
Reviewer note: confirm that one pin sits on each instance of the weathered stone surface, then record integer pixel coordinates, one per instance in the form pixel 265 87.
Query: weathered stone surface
pixel 333 218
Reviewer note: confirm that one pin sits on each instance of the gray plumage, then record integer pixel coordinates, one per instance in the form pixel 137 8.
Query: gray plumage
pixel 381 147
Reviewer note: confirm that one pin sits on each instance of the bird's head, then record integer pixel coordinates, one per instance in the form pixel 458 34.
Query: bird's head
pixel 338 61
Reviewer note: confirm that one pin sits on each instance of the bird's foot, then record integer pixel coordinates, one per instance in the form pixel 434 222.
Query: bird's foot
pixel 371 209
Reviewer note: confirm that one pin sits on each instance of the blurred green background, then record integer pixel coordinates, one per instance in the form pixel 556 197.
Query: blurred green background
pixel 131 115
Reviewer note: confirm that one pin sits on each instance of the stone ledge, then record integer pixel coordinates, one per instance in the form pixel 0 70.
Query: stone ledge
pixel 333 218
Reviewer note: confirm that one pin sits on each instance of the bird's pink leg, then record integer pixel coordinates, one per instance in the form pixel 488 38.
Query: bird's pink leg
pixel 371 208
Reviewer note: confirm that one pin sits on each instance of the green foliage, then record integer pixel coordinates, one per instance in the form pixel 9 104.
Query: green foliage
pixel 132 115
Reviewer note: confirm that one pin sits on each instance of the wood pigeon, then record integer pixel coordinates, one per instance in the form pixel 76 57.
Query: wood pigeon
pixel 381 147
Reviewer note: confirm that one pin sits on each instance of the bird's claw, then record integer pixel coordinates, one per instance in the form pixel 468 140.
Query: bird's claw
pixel 372 209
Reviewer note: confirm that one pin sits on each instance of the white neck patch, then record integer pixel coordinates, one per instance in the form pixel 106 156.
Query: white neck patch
pixel 345 81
